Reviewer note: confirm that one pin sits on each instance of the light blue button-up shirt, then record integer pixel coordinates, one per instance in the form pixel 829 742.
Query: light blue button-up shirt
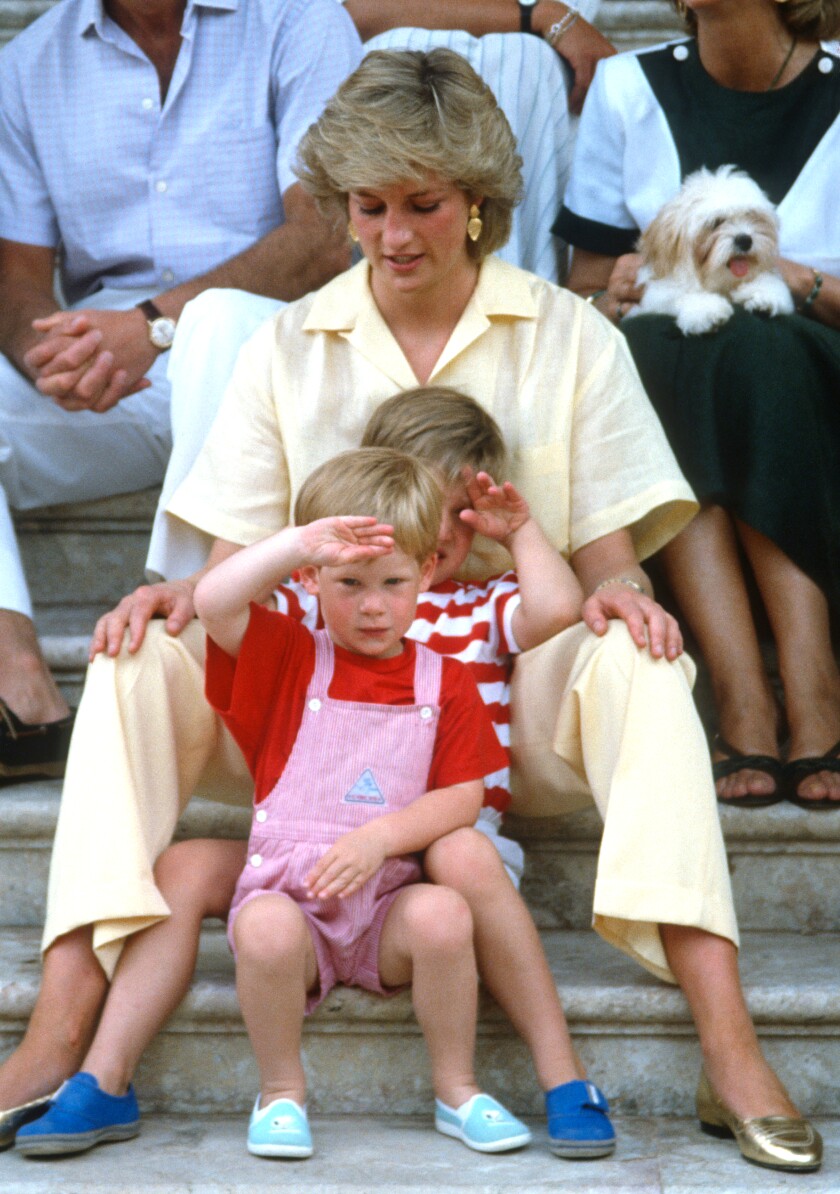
pixel 140 194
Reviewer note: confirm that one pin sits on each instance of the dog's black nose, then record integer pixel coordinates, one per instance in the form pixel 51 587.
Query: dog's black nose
pixel 743 242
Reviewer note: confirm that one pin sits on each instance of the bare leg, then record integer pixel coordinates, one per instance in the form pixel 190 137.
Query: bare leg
pixel 706 967
pixel 73 987
pixel 25 681
pixel 510 956
pixel 197 880
pixel 704 571
pixel 798 614
pixel 427 941
pixel 275 967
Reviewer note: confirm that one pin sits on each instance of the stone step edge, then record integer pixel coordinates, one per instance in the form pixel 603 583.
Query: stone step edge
pixel 620 998
pixel 29 812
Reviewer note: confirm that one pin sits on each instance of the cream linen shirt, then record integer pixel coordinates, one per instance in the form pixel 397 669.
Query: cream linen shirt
pixel 586 449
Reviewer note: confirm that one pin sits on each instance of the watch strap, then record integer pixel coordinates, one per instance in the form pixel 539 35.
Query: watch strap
pixel 525 13
pixel 150 310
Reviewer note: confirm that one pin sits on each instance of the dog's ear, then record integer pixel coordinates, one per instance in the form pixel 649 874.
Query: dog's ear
pixel 666 242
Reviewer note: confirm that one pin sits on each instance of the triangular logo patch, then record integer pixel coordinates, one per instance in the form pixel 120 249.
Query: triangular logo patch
pixel 364 791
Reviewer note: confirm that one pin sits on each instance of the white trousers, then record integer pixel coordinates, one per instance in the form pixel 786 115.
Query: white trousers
pixel 593 718
pixel 49 455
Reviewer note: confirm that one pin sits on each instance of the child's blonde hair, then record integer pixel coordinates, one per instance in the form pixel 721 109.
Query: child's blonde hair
pixel 442 426
pixel 381 483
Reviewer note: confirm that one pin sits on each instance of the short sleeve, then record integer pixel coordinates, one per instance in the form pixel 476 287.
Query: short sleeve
pixel 243 690
pixel 595 215
pixel 26 211
pixel 319 50
pixel 238 488
pixel 466 747
pixel 623 471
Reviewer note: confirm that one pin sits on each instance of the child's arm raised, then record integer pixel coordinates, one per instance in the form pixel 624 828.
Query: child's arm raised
pixel 358 855
pixel 223 595
pixel 550 594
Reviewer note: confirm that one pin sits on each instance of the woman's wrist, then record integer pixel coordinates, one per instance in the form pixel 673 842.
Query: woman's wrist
pixel 629 582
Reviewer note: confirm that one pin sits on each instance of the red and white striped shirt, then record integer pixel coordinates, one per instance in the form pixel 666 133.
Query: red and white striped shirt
pixel 471 622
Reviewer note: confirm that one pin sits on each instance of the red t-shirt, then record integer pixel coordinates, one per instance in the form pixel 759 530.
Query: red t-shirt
pixel 261 696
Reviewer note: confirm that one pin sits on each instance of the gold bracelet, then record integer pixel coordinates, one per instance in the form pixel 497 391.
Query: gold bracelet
pixel 621 580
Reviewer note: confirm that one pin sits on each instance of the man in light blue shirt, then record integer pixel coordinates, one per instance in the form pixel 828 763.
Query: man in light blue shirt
pixel 146 151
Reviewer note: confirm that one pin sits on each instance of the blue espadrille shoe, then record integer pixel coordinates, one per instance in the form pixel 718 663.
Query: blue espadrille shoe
pixel 578 1121
pixel 80 1116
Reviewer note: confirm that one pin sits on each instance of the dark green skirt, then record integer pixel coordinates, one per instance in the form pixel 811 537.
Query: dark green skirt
pixel 752 412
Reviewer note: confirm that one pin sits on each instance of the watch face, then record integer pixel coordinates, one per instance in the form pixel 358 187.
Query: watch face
pixel 162 332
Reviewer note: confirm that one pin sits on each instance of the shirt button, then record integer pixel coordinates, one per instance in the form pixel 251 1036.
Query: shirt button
pixel 825 65
pixel 256 860
pixel 262 815
pixel 680 53
pixel 314 704
pixel 148 104
pixel 167 276
pixel 425 713
pixel 160 186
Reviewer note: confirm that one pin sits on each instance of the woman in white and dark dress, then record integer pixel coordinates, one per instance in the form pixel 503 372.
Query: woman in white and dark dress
pixel 751 410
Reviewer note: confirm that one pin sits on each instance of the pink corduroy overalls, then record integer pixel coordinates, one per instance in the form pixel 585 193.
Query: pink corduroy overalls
pixel 350 762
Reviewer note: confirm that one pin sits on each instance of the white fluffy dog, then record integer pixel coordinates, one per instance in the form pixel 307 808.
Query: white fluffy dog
pixel 714 244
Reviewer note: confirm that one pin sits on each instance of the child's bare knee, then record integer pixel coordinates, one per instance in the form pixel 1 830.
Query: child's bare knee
pixel 441 923
pixel 270 932
pixel 465 860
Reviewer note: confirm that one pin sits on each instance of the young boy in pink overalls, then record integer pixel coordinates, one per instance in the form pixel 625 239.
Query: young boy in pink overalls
pixel 365 748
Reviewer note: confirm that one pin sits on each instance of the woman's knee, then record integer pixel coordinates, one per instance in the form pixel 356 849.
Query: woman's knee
pixel 466 861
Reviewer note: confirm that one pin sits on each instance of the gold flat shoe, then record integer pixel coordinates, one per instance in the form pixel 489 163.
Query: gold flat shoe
pixel 16 1117
pixel 775 1141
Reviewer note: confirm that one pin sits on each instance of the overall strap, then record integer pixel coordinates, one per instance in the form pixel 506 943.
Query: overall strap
pixel 428 673
pixel 324 665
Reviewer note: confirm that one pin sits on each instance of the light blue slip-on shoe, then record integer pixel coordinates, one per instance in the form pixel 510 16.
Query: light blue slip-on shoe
pixel 279 1130
pixel 79 1117
pixel 578 1121
pixel 483 1124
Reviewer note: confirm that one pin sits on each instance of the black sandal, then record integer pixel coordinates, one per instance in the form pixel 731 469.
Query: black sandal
pixel 737 761
pixel 32 751
pixel 798 769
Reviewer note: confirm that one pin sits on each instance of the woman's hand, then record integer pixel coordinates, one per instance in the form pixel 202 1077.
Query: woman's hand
pixel 348 864
pixel 649 624
pixel 172 600
pixel 623 293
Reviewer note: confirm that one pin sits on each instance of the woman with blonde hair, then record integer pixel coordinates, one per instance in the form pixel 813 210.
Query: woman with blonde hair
pixel 414 153
pixel 750 409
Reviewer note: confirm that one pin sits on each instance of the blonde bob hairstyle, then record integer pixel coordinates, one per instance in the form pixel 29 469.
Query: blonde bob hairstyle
pixel 405 114
pixel 813 20
pixel 442 426
pixel 390 486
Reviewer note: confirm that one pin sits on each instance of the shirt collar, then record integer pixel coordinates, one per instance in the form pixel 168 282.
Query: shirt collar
pixel 92 12
pixel 502 290
pixel 345 306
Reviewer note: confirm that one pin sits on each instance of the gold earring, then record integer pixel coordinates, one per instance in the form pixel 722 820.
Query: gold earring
pixel 352 233
pixel 474 223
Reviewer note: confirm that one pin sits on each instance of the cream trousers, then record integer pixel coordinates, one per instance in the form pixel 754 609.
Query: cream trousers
pixel 593 718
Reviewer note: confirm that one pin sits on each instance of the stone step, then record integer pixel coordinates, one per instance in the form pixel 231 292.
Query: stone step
pixel 86 554
pixel 181 1155
pixel 783 860
pixel 364 1053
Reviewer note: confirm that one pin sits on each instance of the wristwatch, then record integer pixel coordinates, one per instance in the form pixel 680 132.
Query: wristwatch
pixel 161 327
pixel 526 9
